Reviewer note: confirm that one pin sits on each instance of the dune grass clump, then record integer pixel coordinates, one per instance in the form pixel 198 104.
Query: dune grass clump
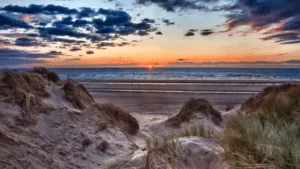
pixel 164 148
pixel 49 75
pixel 77 94
pixel 25 90
pixel 118 117
pixel 269 137
pixel 162 142
pixel 250 142
pixel 276 102
pixel 190 108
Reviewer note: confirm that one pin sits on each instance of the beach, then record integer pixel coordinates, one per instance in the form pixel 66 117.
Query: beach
pixel 167 96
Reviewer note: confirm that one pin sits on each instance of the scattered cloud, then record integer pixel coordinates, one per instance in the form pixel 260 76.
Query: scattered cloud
pixel 40 9
pixel 54 23
pixel 9 22
pixel 75 48
pixel 89 52
pixel 189 33
pixel 168 22
pixel 26 42
pixel 278 18
pixel 143 33
pixel 112 44
pixel 181 60
pixel 13 57
pixel 73 59
pixel 172 5
pixel 159 33
pixel 206 32
pixel 13 53
pixel 53 52
pixel 147 20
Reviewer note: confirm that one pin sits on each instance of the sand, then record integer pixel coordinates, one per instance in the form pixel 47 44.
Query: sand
pixel 58 140
pixel 167 97
pixel 153 102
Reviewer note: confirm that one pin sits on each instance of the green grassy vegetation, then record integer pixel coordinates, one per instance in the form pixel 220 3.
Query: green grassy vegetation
pixel 164 150
pixel 250 142
pixel 269 137
pixel 166 142
pixel 281 106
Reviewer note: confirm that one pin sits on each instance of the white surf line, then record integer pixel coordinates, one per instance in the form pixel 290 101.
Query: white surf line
pixel 172 91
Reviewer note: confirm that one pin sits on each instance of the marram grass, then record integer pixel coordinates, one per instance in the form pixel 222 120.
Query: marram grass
pixel 250 142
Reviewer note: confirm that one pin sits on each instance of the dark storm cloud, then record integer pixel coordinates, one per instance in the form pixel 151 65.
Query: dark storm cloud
pixel 206 32
pixel 263 14
pixel 28 42
pixel 168 22
pixel 7 22
pixel 38 9
pixel 171 5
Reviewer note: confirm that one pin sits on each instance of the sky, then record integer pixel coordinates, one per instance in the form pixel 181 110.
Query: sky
pixel 143 33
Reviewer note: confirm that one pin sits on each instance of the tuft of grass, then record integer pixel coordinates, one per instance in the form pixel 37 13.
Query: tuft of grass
pixel 252 142
pixel 275 103
pixel 118 163
pixel 49 75
pixel 164 151
pixel 164 142
pixel 77 94
pixel 25 90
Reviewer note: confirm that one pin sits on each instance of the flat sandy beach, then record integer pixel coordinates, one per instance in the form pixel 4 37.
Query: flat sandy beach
pixel 166 97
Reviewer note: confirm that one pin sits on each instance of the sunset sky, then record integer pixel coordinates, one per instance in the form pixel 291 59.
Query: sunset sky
pixel 138 33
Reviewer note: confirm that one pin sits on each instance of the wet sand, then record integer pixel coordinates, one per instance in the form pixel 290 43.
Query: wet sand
pixel 167 97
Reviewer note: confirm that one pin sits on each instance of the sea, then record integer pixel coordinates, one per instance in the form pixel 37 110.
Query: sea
pixel 178 73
